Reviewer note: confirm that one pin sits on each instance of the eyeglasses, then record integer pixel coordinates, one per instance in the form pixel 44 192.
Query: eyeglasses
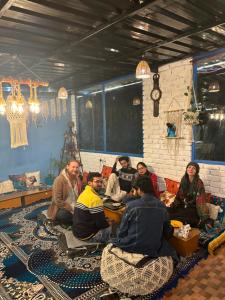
pixel 97 181
pixel 141 168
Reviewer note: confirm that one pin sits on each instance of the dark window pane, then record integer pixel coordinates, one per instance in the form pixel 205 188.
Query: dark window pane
pixel 209 135
pixel 90 125
pixel 124 120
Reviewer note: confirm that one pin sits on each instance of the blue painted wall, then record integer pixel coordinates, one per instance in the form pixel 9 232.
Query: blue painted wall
pixel 45 142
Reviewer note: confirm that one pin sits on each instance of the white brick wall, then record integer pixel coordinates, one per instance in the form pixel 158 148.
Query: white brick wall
pixel 168 158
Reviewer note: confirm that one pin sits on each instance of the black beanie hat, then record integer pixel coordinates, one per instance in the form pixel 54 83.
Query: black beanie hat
pixel 194 164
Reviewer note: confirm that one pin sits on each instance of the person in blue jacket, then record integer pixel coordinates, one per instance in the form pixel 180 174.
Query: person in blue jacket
pixel 145 226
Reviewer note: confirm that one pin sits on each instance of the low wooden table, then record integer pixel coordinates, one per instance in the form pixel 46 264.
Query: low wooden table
pixel 18 199
pixel 185 247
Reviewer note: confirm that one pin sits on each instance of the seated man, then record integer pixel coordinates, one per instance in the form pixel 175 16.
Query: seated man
pixel 145 224
pixel 140 248
pixel 120 182
pixel 65 191
pixel 89 222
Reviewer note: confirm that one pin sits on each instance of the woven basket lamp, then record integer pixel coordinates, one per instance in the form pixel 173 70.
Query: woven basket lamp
pixel 62 93
pixel 143 70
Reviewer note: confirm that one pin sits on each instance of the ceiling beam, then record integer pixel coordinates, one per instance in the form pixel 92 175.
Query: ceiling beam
pixel 5 5
pixel 185 34
pixel 129 13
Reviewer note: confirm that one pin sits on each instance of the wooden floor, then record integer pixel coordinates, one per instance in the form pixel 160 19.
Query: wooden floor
pixel 205 281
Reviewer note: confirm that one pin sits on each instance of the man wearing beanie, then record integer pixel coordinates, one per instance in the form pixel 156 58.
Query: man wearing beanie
pixel 189 205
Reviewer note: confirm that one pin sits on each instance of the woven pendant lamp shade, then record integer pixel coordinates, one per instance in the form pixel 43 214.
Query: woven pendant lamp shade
pixel 143 70
pixel 62 93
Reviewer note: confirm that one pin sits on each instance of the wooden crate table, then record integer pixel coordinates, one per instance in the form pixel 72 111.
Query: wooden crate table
pixel 18 199
pixel 185 247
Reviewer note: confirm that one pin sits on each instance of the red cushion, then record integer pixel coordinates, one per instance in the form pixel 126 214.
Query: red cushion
pixel 172 186
pixel 106 171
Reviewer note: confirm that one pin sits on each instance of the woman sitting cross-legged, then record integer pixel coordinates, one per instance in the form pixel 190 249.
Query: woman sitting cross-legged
pixel 143 171
pixel 189 205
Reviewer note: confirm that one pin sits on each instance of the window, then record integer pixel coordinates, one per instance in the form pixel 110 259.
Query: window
pixel 209 135
pixel 90 122
pixel 110 117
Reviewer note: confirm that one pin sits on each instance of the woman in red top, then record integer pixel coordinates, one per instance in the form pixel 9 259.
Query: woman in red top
pixel 143 171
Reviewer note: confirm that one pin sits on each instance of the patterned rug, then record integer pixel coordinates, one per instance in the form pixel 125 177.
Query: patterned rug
pixel 33 266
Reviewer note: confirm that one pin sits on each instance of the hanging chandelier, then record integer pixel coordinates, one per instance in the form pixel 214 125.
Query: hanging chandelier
pixel 33 101
pixel 143 70
pixel 16 102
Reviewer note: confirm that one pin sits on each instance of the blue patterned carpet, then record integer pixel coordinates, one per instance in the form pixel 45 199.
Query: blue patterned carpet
pixel 33 265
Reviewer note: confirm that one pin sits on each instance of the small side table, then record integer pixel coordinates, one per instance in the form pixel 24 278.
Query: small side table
pixel 185 247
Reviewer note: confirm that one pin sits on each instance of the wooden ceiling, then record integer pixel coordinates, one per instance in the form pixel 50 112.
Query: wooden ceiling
pixel 82 42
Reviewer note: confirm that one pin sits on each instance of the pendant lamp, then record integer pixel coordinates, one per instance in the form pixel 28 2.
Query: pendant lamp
pixel 2 101
pixel 62 93
pixel 143 70
pixel 214 87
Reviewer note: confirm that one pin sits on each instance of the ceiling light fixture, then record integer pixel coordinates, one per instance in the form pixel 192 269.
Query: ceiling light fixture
pixel 143 70
pixel 62 93
pixel 214 87
pixel 112 50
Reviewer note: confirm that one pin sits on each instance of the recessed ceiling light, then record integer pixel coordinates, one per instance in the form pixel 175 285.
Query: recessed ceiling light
pixel 59 64
pixel 112 50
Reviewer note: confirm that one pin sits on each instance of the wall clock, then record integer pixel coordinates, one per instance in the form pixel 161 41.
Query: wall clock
pixel 156 94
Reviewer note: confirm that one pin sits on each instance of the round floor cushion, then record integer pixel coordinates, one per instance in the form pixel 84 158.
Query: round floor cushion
pixel 125 271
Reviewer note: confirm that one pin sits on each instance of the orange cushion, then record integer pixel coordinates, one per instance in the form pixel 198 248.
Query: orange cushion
pixel 172 186
pixel 106 171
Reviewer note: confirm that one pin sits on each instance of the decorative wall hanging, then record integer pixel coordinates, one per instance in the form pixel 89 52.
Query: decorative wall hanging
pixel 191 117
pixel 174 119
pixel 45 109
pixel 53 109
pixel 58 108
pixel 64 106
pixel 156 94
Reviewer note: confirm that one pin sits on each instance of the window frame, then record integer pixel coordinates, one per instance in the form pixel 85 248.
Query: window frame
pixel 104 151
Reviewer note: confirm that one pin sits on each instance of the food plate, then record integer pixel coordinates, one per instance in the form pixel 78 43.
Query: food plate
pixel 176 223
pixel 116 204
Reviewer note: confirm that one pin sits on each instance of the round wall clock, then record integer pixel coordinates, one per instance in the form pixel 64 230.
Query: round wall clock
pixel 156 94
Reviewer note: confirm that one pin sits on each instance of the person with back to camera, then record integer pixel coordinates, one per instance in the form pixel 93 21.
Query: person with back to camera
pixel 189 205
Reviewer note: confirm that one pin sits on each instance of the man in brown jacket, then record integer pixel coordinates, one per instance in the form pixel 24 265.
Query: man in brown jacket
pixel 65 191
